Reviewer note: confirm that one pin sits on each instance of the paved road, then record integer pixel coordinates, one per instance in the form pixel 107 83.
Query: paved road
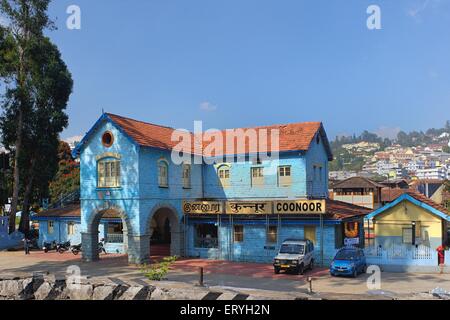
pixel 228 274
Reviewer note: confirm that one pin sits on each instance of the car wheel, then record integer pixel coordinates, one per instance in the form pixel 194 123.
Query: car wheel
pixel 355 273
pixel 276 270
pixel 301 269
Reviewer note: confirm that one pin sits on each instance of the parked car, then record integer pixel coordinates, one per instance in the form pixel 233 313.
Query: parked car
pixel 294 255
pixel 348 261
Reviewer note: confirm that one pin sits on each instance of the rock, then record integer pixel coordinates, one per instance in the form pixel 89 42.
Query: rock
pixel 131 293
pixel 27 289
pixel 79 291
pixel 10 288
pixel 43 292
pixel 105 292
pixel 177 294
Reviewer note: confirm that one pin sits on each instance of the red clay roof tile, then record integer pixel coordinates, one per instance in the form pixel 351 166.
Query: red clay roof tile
pixel 292 137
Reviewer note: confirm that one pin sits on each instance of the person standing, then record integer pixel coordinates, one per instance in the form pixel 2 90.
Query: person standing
pixel 26 245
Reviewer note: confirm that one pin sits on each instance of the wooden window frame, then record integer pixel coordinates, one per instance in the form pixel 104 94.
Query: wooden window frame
pixel 237 234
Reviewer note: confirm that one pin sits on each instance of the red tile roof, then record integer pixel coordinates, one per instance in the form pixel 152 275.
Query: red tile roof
pixel 343 210
pixel 420 197
pixel 72 211
pixel 390 194
pixel 292 137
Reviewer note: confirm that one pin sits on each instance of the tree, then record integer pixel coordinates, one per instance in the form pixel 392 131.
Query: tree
pixel 52 84
pixel 31 68
pixel 67 178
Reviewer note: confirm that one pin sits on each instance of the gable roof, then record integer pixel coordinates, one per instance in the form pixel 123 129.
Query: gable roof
pixel 419 200
pixel 292 137
pixel 357 182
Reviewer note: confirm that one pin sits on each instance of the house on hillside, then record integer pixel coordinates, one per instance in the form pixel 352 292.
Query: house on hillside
pixel 358 191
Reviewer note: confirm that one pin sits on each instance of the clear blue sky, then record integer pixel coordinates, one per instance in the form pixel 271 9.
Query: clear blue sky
pixel 254 62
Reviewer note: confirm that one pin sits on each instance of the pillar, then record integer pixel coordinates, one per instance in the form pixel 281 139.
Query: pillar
pixel 89 243
pixel 138 249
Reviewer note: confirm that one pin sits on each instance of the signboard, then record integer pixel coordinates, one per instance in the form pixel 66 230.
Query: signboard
pixel 202 207
pixel 300 207
pixel 351 241
pixel 249 207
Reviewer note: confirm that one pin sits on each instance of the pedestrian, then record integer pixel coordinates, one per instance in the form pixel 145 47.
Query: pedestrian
pixel 26 245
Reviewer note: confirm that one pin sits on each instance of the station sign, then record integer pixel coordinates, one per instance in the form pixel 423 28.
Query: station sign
pixel 202 207
pixel 300 207
pixel 248 207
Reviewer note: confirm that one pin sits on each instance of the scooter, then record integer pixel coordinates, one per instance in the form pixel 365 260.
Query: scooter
pixel 48 246
pixel 76 249
pixel 63 247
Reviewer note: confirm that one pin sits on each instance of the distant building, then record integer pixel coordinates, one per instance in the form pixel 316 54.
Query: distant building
pixel 439 173
pixel 358 191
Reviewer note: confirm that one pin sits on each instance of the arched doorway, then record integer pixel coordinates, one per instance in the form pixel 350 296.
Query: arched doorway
pixel 109 227
pixel 164 232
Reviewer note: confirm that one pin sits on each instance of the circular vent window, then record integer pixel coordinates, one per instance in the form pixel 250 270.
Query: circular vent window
pixel 107 139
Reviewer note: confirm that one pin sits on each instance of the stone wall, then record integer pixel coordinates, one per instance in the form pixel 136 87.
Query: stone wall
pixel 49 288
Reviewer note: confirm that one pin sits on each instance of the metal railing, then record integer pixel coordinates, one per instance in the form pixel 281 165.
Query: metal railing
pixel 114 238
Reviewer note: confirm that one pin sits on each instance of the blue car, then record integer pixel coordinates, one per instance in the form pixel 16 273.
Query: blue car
pixel 349 262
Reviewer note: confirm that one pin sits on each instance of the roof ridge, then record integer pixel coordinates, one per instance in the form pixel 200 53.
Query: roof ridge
pixel 145 122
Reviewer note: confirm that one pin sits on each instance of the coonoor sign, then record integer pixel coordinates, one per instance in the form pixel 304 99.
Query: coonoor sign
pixel 300 207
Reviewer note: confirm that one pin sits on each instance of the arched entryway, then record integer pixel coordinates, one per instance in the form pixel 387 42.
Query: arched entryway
pixel 164 231
pixel 108 226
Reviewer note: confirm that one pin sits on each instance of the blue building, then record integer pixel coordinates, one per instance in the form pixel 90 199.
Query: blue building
pixel 237 205
pixel 64 224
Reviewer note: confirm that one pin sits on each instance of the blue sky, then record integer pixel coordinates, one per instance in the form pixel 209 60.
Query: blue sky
pixel 257 62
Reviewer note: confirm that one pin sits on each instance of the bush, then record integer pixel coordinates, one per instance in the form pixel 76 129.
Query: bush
pixel 158 271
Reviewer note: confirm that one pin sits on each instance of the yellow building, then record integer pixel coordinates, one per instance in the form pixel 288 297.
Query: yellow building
pixel 411 219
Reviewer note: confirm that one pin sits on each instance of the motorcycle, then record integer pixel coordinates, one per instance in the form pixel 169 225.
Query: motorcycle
pixel 49 246
pixel 76 249
pixel 63 247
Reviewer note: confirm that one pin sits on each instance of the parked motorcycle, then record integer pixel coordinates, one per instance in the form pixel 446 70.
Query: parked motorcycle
pixel 63 247
pixel 49 246
pixel 76 249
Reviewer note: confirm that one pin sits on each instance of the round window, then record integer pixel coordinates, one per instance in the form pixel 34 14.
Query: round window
pixel 107 139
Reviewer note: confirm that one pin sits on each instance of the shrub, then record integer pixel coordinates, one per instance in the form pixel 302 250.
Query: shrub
pixel 158 271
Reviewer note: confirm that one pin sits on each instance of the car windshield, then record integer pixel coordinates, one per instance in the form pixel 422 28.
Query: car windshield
pixel 346 255
pixel 292 248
